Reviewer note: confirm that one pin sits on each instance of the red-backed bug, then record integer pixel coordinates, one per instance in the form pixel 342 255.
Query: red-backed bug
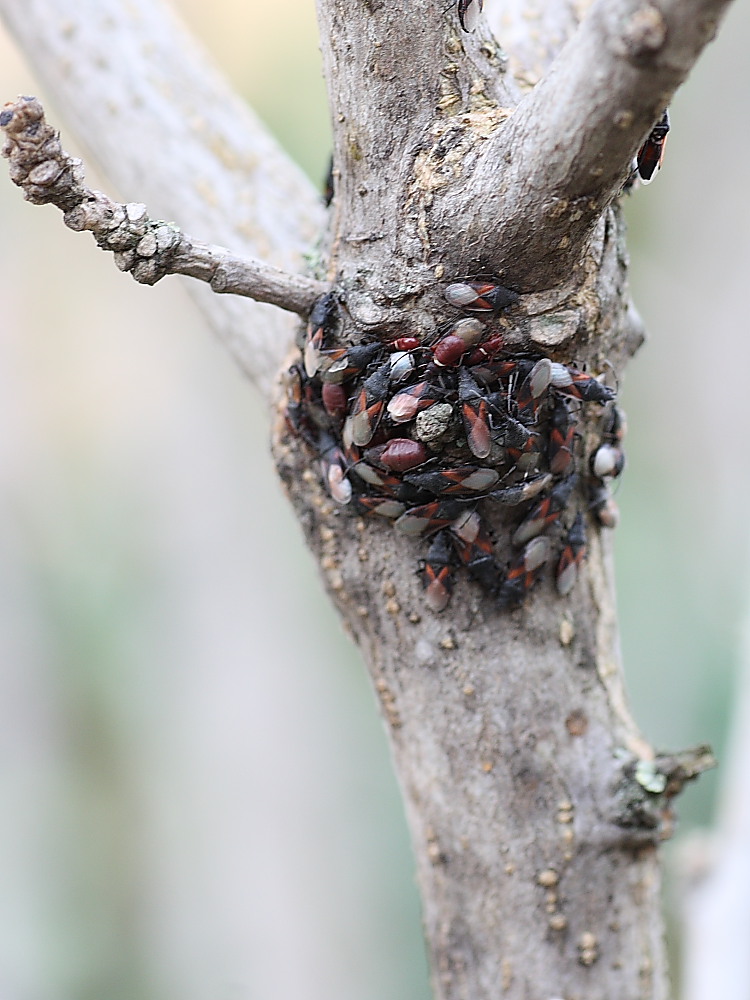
pixel 343 363
pixel 460 338
pixel 429 517
pixel 607 461
pixel 405 344
pixel 489 372
pixel 546 512
pixel 469 330
pixel 604 506
pixel 651 154
pixel 511 496
pixel 522 445
pixel 487 350
pixel 577 383
pixel 379 506
pixel 398 454
pixel 561 436
pixel 475 415
pixel 335 400
pixel 437 573
pixel 448 351
pixel 527 459
pixel 368 474
pixel 463 481
pixel 540 377
pixel 480 296
pixel 523 572
pixel 318 326
pixel 367 407
pixel 405 405
pixel 468 13
pixel 572 556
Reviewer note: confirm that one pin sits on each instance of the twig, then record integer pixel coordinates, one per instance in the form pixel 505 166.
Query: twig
pixel 147 248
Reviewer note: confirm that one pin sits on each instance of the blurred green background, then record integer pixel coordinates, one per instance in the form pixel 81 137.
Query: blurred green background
pixel 196 804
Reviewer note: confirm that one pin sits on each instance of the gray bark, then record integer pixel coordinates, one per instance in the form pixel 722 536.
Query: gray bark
pixel 534 835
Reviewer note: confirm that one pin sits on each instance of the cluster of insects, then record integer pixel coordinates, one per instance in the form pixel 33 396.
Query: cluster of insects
pixel 427 435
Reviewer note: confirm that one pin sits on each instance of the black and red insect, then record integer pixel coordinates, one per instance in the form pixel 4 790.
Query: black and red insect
pixel 546 512
pixel 561 437
pixel 437 571
pixel 367 407
pixel 580 385
pixel 475 414
pixel 650 156
pixel 523 572
pixel 476 551
pixel 486 296
pixel 319 326
pixel 573 553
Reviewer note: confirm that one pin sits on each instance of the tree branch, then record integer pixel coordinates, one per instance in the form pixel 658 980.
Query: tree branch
pixel 147 248
pixel 134 84
pixel 532 193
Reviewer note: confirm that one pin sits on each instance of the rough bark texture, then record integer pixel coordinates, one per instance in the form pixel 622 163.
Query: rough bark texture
pixel 535 831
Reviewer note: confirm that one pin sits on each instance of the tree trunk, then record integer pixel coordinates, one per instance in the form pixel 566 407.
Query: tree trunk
pixel 509 733
pixel 535 841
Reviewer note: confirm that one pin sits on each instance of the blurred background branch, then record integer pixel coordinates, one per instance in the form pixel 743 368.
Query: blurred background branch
pixel 223 176
pixel 716 870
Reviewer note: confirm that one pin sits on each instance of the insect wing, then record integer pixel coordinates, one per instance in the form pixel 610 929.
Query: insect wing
pixel 475 551
pixel 511 496
pixel 561 435
pixel 437 573
pixel 546 512
pixel 428 517
pixel 475 415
